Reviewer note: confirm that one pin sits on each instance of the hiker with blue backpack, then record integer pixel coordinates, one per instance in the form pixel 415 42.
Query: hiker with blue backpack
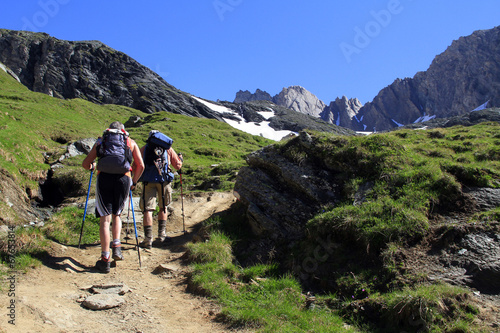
pixel 159 157
pixel 119 167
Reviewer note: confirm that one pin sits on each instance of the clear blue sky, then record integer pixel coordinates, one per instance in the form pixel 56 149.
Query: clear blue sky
pixel 213 48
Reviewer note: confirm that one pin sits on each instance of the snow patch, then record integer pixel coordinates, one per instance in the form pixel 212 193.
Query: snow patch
pixel 213 107
pixel 424 118
pixel 398 124
pixel 481 107
pixel 262 129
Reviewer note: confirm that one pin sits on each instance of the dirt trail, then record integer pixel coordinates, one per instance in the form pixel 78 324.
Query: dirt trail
pixel 48 299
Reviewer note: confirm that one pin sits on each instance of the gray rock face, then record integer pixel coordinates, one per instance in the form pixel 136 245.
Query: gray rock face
pixel 282 193
pixel 301 100
pixel 92 71
pixel 463 77
pixel 247 96
pixel 342 111
pixel 295 98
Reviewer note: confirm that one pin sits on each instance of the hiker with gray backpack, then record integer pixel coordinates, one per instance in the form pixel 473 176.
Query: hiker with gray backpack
pixel 159 157
pixel 119 168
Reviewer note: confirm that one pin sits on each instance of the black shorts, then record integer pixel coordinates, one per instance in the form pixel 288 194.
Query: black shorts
pixel 112 193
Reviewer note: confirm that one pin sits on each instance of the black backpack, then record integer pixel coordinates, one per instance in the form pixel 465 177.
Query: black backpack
pixel 113 152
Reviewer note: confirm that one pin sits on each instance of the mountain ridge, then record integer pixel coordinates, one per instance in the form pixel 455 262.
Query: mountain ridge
pixel 92 71
pixel 457 81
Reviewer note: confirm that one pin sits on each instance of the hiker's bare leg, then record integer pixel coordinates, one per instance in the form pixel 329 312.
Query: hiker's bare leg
pixel 147 218
pixel 116 227
pixel 104 232
pixel 163 215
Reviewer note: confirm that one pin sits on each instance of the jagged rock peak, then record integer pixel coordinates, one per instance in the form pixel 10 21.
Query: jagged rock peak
pixel 299 99
pixel 342 111
pixel 351 103
pixel 247 96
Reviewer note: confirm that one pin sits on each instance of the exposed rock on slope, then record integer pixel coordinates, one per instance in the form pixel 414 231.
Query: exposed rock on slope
pixel 92 71
pixel 282 193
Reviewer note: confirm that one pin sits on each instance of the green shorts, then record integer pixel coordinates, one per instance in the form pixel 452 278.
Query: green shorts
pixel 152 192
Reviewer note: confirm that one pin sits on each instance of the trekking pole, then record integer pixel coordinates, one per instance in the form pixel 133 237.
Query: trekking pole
pixel 85 211
pixel 182 204
pixel 135 228
pixel 128 223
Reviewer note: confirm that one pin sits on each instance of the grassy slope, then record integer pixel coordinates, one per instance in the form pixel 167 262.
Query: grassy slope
pixel 409 177
pixel 32 124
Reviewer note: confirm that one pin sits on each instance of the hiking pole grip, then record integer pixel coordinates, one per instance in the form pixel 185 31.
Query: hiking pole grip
pixel 85 211
pixel 135 228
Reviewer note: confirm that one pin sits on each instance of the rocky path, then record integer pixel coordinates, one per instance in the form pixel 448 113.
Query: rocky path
pixel 50 298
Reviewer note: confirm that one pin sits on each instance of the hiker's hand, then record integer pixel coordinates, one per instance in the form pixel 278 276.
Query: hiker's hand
pixel 133 186
pixel 180 156
pixel 92 166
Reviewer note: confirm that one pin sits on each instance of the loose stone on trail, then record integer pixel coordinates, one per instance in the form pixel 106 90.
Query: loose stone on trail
pixel 106 296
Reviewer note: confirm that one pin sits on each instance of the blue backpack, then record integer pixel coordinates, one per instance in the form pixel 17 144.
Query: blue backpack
pixel 156 159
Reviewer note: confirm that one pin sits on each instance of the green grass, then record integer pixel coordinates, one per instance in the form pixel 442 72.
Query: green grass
pixel 410 175
pixel 65 226
pixel 422 308
pixel 255 297
pixel 23 248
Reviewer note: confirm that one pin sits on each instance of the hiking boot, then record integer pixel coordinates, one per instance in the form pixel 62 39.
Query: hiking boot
pixel 147 243
pixel 162 233
pixel 117 253
pixel 103 265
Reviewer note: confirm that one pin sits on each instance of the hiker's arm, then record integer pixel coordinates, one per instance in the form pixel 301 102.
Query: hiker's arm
pixel 175 161
pixel 88 162
pixel 138 165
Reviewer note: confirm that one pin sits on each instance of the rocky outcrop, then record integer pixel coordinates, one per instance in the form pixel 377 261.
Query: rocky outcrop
pixel 281 193
pixel 92 71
